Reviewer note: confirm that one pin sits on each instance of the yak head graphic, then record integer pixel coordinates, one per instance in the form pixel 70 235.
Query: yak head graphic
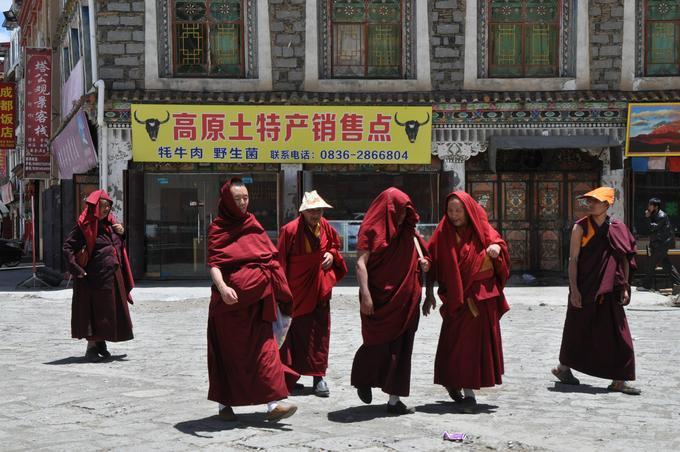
pixel 152 125
pixel 411 127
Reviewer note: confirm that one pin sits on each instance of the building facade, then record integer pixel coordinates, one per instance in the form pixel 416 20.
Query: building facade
pixel 528 100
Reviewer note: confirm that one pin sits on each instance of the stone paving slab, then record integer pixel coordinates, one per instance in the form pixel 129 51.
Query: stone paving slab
pixel 153 395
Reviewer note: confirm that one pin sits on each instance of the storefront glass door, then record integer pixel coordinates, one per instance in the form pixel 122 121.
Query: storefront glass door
pixel 180 207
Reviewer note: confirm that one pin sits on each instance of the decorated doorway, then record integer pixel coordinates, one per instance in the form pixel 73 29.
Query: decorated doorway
pixel 532 201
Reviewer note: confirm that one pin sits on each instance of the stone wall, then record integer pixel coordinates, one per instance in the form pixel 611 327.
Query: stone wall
pixel 120 36
pixel 447 43
pixel 606 41
pixel 287 24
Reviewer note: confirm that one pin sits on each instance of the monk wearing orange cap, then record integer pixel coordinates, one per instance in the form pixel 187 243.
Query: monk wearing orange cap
pixel 596 339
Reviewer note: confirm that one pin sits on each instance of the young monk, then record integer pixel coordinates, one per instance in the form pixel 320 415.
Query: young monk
pixel 470 261
pixel 596 339
pixel 388 272
pixel 101 291
pixel 309 252
pixel 244 367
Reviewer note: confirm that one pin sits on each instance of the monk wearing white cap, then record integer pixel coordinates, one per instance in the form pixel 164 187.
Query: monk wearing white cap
pixel 309 252
pixel 596 339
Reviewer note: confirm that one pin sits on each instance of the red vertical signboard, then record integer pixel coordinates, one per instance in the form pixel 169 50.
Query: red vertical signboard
pixel 38 108
pixel 3 163
pixel 7 123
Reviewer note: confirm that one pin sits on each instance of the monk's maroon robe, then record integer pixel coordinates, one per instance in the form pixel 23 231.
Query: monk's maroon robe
pixel 305 349
pixel 596 339
pixel 470 349
pixel 244 367
pixel 384 359
pixel 99 308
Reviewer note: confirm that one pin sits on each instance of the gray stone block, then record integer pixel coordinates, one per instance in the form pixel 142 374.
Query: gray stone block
pixel 445 52
pixel 612 74
pixel 111 49
pixel 108 20
pixel 127 61
pixel 123 84
pixel 446 4
pixel 111 72
pixel 286 62
pixel 599 39
pixel 134 48
pixel 296 76
pixel 612 25
pixel 119 35
pixel 287 14
pixel 138 7
pixel 610 50
pixel 117 6
pixel 459 17
pixel 447 28
pixel 135 21
pixel 595 11
pixel 136 73
pixel 284 39
pixel 287 51
pixel 276 26
pixel 617 11
pixel 138 36
pixel 602 64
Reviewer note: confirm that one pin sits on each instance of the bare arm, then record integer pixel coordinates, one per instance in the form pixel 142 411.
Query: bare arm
pixel 430 301
pixel 366 302
pixel 574 250
pixel 228 294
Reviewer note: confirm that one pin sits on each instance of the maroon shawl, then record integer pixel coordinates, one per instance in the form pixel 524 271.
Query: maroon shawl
pixel 393 270
pixel 455 266
pixel 239 246
pixel 88 222
pixel 309 283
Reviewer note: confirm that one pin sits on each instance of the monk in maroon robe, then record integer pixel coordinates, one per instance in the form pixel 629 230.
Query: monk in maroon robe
pixel 470 261
pixel 388 273
pixel 101 291
pixel 309 252
pixel 244 366
pixel 596 339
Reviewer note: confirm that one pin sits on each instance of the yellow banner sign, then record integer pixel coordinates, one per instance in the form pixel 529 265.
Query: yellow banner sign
pixel 275 134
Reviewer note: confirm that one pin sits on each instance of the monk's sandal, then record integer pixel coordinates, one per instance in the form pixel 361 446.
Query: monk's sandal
pixel 565 376
pixel 624 387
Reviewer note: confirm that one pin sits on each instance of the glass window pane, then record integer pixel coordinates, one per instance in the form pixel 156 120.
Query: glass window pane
pixel 190 48
pixel 542 10
pixel 225 49
pixel 349 11
pixel 387 11
pixel 225 10
pixel 506 11
pixel 348 58
pixel 190 10
pixel 541 46
pixel 384 50
pixel 663 10
pixel 506 45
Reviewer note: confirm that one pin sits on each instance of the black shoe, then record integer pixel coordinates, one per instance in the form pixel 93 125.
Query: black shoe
pixel 365 394
pixel 455 394
pixel 298 387
pixel 399 408
pixel 102 350
pixel 469 405
pixel 92 355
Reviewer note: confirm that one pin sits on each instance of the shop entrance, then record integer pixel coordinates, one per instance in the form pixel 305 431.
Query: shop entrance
pixel 532 201
pixel 178 210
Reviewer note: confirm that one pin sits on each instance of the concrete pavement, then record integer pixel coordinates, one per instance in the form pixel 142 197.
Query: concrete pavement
pixel 152 396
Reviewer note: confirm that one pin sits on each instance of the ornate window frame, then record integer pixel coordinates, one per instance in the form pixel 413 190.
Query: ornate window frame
pixel 632 67
pixel 416 54
pixel 157 52
pixel 574 67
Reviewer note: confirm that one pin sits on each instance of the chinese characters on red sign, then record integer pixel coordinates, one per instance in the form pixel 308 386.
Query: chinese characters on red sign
pixel 7 123
pixel 38 118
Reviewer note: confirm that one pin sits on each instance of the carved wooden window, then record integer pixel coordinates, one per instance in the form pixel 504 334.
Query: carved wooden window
pixel 366 38
pixel 524 38
pixel 662 37
pixel 208 38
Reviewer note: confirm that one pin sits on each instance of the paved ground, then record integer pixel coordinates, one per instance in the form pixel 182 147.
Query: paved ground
pixel 153 396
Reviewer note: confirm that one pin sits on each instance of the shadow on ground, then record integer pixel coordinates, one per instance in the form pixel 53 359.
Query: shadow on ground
pixel 580 389
pixel 83 360
pixel 359 413
pixel 213 424
pixel 448 407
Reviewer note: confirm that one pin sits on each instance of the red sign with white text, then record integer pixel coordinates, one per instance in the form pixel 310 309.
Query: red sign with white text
pixel 8 139
pixel 38 108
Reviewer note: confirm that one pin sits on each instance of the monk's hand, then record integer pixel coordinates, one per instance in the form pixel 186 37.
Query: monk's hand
pixel 118 228
pixel 493 250
pixel 575 298
pixel 429 304
pixel 424 264
pixel 228 295
pixel 366 304
pixel 625 296
pixel 327 261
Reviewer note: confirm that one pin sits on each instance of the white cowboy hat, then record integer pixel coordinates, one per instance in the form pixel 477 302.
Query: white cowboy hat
pixel 312 200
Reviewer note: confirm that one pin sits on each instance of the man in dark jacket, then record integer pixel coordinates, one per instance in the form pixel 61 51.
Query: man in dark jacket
pixel 661 239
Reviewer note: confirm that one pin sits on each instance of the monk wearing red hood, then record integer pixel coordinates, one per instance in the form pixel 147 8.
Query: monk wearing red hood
pixel 470 261
pixel 96 257
pixel 244 367
pixel 309 252
pixel 389 262
pixel 596 339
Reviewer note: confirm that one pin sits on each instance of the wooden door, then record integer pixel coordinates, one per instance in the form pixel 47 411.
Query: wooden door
pixel 515 218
